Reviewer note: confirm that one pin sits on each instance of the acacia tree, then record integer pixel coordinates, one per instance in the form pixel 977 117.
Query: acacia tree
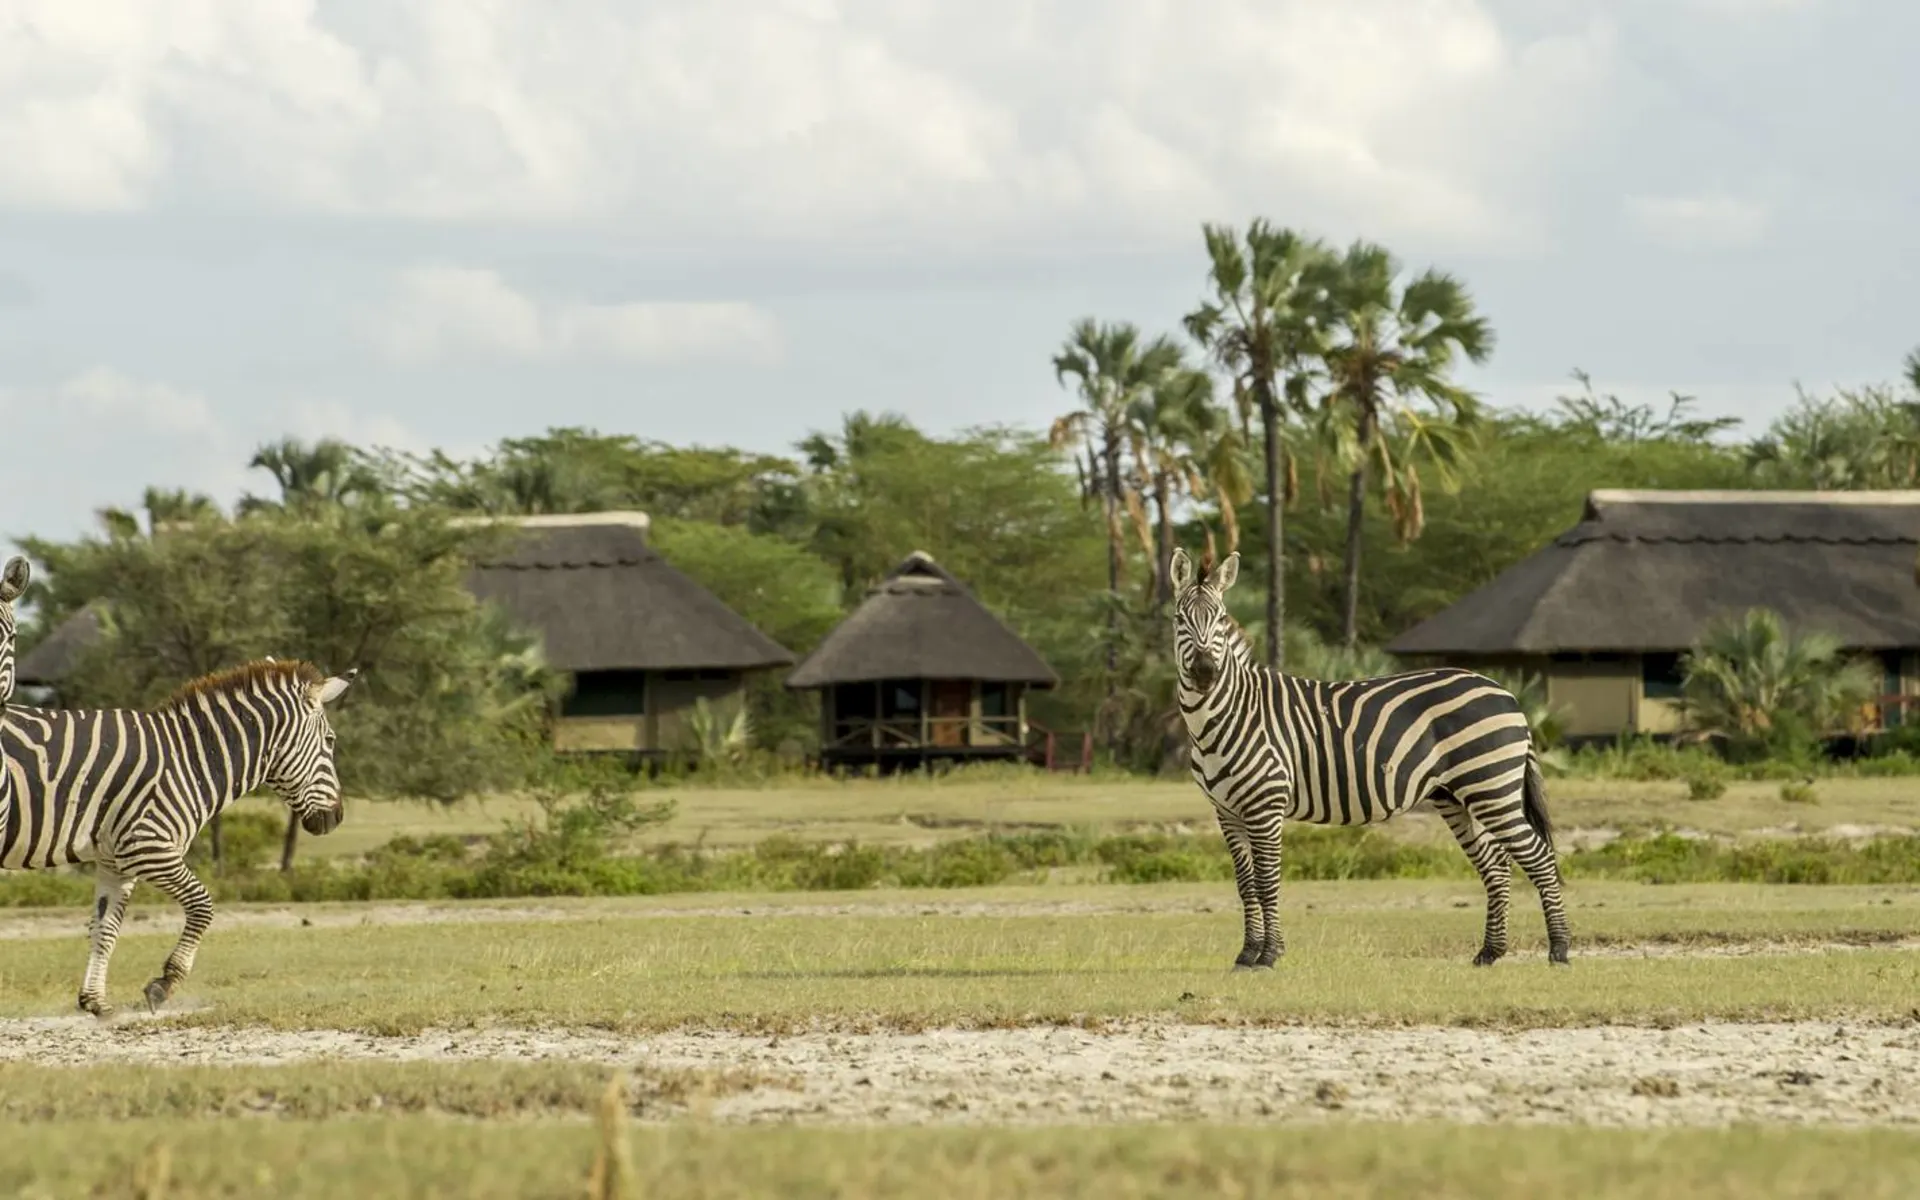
pixel 1114 371
pixel 1389 350
pixel 1262 325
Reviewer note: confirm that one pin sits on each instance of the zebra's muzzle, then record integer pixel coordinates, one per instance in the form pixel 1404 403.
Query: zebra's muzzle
pixel 1203 673
pixel 322 821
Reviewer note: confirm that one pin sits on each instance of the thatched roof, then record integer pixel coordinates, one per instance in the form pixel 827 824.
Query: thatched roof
pixel 603 599
pixel 1646 570
pixel 921 623
pixel 55 657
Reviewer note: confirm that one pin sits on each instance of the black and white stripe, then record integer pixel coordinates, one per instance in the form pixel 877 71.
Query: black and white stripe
pixel 128 791
pixel 1267 746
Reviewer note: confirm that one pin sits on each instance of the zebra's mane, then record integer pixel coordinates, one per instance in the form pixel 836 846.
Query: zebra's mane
pixel 260 670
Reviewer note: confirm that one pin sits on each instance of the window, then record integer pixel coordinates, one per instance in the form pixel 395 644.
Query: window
pixel 606 694
pixel 1661 677
pixel 855 702
pixel 995 700
pixel 900 698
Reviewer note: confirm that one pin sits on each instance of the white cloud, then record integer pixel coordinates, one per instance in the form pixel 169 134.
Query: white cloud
pixel 442 313
pixel 1710 221
pixel 732 119
pixel 312 420
pixel 109 396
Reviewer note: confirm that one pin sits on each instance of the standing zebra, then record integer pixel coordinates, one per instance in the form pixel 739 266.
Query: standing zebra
pixel 128 791
pixel 1266 746
pixel 13 581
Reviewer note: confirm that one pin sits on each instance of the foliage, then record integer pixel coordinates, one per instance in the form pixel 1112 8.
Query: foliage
pixel 450 697
pixel 1863 438
pixel 577 847
pixel 1766 692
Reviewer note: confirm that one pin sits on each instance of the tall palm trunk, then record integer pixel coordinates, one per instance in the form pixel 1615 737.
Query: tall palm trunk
pixel 1110 463
pixel 1163 542
pixel 1356 519
pixel 1276 485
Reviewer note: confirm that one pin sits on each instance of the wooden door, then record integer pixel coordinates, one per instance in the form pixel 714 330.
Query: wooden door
pixel 951 708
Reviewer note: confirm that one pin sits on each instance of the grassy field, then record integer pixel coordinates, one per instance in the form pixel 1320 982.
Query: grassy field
pixel 512 1017
pixel 1378 953
pixel 424 1156
pixel 918 812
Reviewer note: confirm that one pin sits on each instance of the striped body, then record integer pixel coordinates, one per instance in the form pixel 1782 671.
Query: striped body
pixel 128 791
pixel 1266 747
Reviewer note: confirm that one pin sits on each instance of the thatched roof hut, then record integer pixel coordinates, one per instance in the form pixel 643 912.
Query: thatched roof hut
pixel 603 599
pixel 922 670
pixel 56 655
pixel 1606 609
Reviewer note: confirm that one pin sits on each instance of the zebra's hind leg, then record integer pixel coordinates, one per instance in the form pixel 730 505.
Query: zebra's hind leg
pixel 177 881
pixel 1490 862
pixel 111 891
pixel 1252 920
pixel 1535 855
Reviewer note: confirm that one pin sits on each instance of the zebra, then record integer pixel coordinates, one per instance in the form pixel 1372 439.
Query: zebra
pixel 13 582
pixel 128 791
pixel 1266 746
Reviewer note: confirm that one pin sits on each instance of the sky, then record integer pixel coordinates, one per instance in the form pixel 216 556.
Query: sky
pixel 422 223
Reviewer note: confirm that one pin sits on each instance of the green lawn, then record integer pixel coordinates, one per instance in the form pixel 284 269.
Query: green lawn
pixel 1362 952
pixel 909 810
pixel 428 1156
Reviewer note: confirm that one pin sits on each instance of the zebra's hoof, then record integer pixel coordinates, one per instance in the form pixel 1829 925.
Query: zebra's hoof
pixel 1557 957
pixel 158 990
pixel 95 1006
pixel 1487 958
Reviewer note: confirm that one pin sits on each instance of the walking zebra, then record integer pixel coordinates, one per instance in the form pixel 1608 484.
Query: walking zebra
pixel 13 581
pixel 1266 746
pixel 128 791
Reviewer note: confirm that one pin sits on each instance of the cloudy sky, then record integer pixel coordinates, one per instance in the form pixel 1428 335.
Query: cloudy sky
pixel 441 222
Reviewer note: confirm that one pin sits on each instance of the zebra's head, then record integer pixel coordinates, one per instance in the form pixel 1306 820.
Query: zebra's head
pixel 1201 626
pixel 301 766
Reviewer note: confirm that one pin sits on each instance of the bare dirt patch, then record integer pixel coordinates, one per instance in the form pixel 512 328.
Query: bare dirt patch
pixel 1712 1074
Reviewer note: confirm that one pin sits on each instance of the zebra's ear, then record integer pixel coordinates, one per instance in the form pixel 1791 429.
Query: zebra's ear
pixel 327 691
pixel 14 579
pixel 1180 569
pixel 1226 573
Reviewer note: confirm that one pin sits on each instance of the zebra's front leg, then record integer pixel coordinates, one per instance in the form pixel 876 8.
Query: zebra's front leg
pixel 111 891
pixel 1266 882
pixel 1250 914
pixel 194 900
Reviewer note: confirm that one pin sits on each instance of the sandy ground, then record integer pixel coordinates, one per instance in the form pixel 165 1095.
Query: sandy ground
pixel 1815 1072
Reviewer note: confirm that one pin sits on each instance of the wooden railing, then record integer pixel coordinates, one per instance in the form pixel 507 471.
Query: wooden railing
pixel 912 733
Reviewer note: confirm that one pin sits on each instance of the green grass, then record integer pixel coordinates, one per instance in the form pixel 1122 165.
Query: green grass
pixel 909 811
pixel 423 1156
pixel 1372 953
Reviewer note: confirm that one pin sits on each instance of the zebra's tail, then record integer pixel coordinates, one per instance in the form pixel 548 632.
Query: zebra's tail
pixel 1533 800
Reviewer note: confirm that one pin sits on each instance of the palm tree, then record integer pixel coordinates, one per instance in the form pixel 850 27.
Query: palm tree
pixel 1757 686
pixel 1388 347
pixel 1167 430
pixel 1114 370
pixel 328 471
pixel 1262 326
pixel 1911 368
